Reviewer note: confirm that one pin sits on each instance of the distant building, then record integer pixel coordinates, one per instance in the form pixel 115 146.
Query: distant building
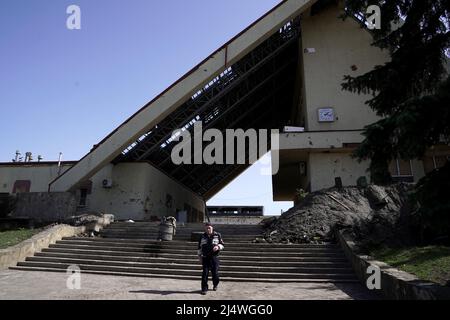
pixel 235 211
pixel 235 214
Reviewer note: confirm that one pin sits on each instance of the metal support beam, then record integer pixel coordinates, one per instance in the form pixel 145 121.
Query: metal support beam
pixel 218 89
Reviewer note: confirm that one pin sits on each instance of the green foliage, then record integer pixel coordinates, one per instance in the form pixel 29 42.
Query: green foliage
pixel 412 90
pixel 412 94
pixel 301 194
pixel 432 194
pixel 407 135
pixel 430 263
pixel 13 237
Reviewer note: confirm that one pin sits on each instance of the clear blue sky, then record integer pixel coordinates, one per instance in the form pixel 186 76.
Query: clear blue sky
pixel 64 90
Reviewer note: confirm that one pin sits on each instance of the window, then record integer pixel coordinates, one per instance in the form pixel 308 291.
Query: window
pixel 21 186
pixel 188 210
pixel 83 197
pixel 401 170
pixel 435 162
pixel 169 201
pixel 85 190
pixel 201 215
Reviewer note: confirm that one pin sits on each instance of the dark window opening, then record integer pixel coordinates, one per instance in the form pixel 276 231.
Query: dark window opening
pixel 21 186
pixel 401 171
pixel 83 197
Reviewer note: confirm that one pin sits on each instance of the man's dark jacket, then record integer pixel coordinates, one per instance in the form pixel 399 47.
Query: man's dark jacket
pixel 207 243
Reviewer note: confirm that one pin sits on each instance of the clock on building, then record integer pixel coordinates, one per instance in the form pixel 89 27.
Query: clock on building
pixel 326 115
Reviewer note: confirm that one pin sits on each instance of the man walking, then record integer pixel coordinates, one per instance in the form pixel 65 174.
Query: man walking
pixel 209 246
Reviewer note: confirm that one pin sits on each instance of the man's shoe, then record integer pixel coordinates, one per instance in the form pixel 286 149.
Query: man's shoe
pixel 203 292
pixel 215 288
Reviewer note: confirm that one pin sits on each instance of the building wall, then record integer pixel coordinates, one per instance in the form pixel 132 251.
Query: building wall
pixel 325 167
pixel 38 174
pixel 338 46
pixel 139 192
pixel 243 220
pixel 418 169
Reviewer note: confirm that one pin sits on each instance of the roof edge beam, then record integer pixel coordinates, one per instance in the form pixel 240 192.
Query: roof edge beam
pixel 172 98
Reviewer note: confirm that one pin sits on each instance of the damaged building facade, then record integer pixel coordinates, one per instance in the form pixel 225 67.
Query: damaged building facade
pixel 283 72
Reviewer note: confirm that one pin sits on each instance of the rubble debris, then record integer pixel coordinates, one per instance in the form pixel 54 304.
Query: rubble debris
pixel 83 219
pixel 374 214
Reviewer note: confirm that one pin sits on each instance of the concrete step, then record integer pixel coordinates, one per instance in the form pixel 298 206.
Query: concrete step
pixel 137 235
pixel 193 266
pixel 193 246
pixel 182 277
pixel 187 272
pixel 132 250
pixel 177 237
pixel 133 224
pixel 176 243
pixel 184 232
pixel 244 237
pixel 106 252
pixel 184 224
pixel 194 260
pixel 189 227
pixel 178 232
pixel 279 253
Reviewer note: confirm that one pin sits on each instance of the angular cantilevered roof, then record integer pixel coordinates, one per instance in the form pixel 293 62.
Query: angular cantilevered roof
pixel 247 83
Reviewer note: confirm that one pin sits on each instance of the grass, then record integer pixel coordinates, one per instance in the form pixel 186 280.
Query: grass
pixel 430 263
pixel 13 237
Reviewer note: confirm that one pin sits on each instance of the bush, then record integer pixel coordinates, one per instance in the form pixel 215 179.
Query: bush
pixel 432 197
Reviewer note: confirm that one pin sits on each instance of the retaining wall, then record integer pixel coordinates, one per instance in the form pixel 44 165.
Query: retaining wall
pixel 395 284
pixel 45 207
pixel 11 256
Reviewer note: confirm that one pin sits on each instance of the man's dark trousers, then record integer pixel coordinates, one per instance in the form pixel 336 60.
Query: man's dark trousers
pixel 210 263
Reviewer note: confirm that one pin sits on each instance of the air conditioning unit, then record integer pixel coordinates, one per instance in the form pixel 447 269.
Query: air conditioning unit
pixel 107 183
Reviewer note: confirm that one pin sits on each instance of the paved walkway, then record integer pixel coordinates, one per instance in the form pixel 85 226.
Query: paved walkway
pixel 30 285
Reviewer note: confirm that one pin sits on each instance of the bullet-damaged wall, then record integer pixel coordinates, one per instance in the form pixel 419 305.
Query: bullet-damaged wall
pixel 139 191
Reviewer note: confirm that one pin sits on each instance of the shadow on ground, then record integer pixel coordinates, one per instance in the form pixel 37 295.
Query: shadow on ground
pixel 165 292
pixel 354 291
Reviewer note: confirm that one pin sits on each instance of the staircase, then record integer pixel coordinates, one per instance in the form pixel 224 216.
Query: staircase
pixel 148 230
pixel 131 249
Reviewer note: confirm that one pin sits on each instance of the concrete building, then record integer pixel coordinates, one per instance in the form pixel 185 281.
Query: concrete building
pixel 284 70
pixel 236 214
pixel 135 191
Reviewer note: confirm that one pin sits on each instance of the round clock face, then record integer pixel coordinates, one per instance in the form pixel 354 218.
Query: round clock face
pixel 326 115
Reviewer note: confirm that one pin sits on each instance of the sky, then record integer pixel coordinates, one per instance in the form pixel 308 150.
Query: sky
pixel 65 90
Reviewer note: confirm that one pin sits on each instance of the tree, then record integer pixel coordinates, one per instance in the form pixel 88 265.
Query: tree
pixel 411 92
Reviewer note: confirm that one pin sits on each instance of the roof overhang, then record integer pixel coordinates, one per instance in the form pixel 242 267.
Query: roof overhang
pixel 295 149
pixel 263 35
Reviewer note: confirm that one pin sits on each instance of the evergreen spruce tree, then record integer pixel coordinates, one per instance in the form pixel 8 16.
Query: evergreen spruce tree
pixel 411 93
